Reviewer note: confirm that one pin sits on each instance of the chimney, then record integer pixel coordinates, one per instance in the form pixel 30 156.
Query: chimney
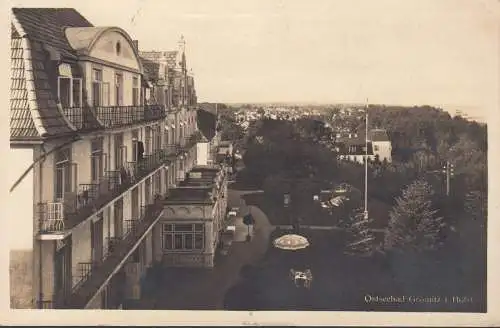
pixel 136 44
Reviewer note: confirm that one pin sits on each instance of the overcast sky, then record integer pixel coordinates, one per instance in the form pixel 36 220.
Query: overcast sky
pixel 409 52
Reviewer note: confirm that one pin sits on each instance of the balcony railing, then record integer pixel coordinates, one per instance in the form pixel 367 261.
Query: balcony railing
pixel 93 276
pixel 51 217
pixel 111 244
pixel 84 270
pixel 56 217
pixel 91 118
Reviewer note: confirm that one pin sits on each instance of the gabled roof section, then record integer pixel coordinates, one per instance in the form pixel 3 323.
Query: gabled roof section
pixel 47 26
pixel 81 38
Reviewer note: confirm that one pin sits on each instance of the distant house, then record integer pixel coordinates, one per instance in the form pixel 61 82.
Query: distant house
pixel 351 146
pixel 381 144
pixel 353 149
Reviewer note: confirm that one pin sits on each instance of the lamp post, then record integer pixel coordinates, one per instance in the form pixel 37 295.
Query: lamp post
pixel 448 169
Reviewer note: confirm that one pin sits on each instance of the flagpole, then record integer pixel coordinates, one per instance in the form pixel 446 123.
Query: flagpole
pixel 366 160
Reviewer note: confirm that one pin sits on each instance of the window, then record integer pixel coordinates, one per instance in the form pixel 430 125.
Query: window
pixel 69 91
pixel 183 236
pixel 375 147
pixel 158 143
pixel 118 89
pixel 157 182
pixel 147 191
pixel 77 92
pixel 63 173
pixel 147 146
pixel 64 91
pixel 97 87
pixel 120 151
pixel 135 91
pixel 135 203
pixel 96 159
pixel 135 136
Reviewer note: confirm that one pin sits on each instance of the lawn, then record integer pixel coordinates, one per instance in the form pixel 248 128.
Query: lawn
pixel 344 282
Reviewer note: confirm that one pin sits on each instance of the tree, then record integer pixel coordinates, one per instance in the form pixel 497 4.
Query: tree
pixel 475 205
pixel 360 239
pixel 413 224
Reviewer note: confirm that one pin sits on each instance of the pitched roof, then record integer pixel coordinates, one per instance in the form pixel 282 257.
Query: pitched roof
pixel 379 135
pixel 33 107
pixel 38 43
pixel 47 26
pixel 151 69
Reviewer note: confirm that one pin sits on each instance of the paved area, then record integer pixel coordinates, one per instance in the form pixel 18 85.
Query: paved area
pixel 204 289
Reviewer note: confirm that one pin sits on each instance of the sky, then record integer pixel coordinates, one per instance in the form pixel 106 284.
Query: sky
pixel 413 52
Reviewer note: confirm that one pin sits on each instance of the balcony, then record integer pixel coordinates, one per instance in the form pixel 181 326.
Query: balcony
pixel 102 117
pixel 55 218
pixel 93 276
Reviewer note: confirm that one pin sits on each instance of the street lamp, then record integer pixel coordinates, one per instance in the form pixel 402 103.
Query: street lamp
pixel 448 169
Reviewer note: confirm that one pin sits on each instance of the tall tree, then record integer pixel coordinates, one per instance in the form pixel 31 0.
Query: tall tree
pixel 475 205
pixel 413 224
pixel 360 240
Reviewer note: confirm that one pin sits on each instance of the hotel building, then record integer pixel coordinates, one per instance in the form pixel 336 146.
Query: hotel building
pixel 103 149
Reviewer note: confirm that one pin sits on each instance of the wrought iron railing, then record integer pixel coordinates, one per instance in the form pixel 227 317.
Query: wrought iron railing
pixel 51 217
pixel 111 244
pixel 84 271
pixel 85 118
pixel 93 277
pixel 91 197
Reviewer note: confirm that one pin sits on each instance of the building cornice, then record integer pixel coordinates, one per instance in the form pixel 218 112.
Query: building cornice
pixel 108 64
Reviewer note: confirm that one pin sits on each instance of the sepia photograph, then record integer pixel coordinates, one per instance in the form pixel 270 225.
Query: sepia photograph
pixel 250 156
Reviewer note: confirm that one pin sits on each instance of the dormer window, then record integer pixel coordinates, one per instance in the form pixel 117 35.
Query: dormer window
pixel 69 88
